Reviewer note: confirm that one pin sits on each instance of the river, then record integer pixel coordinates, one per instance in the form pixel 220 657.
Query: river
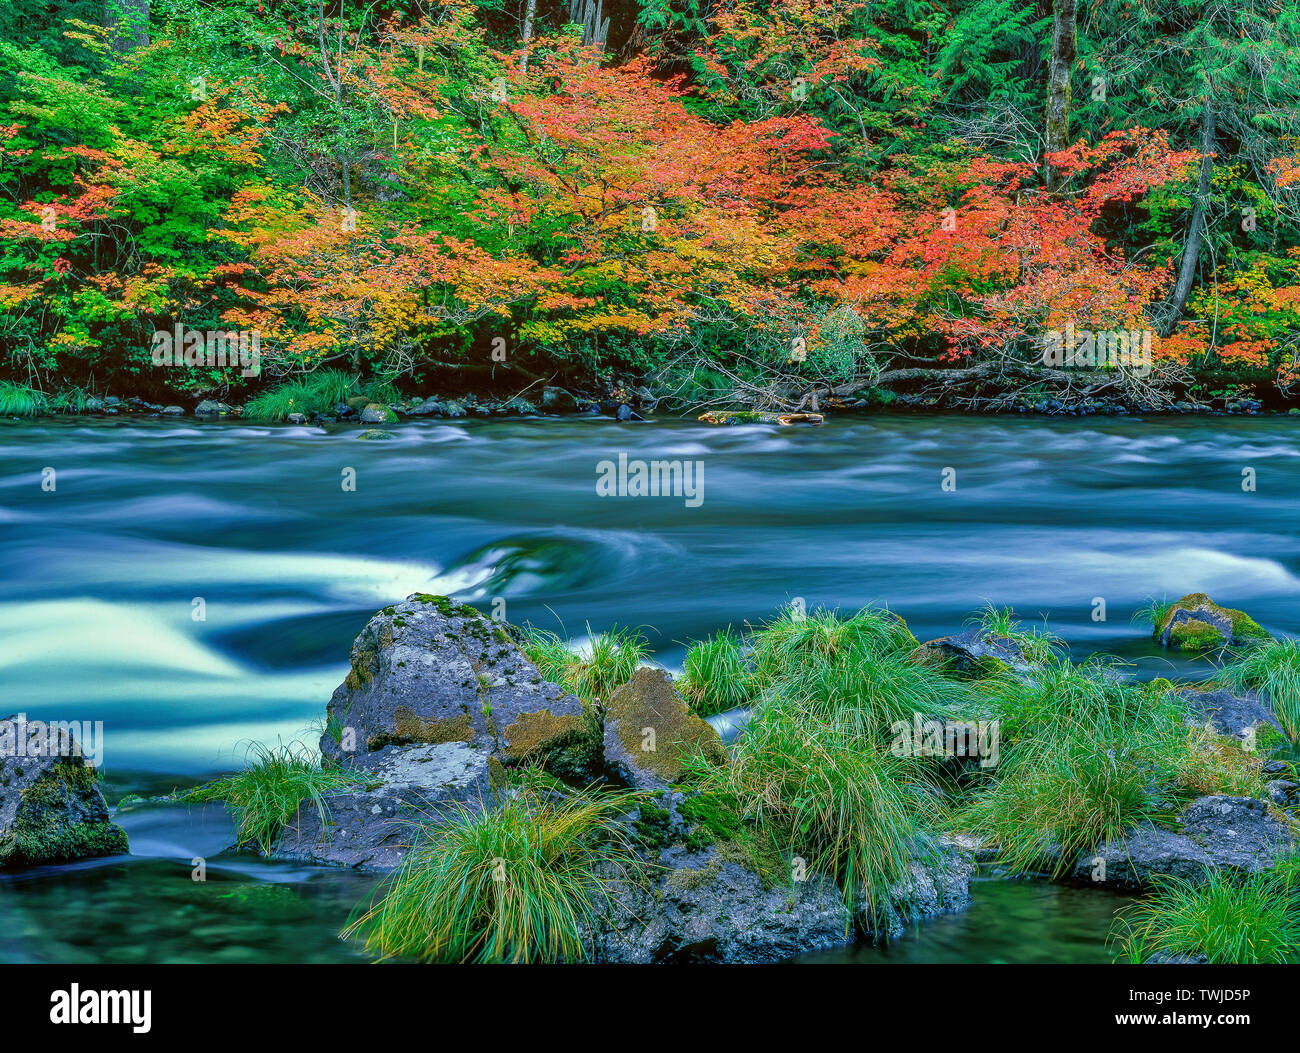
pixel 197 585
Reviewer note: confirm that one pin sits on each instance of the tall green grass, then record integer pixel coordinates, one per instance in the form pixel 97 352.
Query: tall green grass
pixel 1036 645
pixel 844 805
pixel 614 657
pixel 515 884
pixel 716 675
pixel 317 392
pixel 18 400
pixel 1229 919
pixel 266 795
pixel 1085 757
pixel 1273 669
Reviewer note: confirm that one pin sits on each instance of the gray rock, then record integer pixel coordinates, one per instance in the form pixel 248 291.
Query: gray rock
pixel 375 434
pixel 557 400
pixel 427 408
pixel 454 409
pixel 974 652
pixel 376 413
pixel 173 411
pixel 94 405
pixel 648 712
pixel 211 408
pixel 1234 833
pixel 937 882
pixel 705 908
pixel 1228 714
pixel 518 407
pixel 297 418
pixel 371 828
pixel 430 671
pixel 51 807
pixel 1283 793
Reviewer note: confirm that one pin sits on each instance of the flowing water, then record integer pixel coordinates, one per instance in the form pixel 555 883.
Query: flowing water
pixel 196 586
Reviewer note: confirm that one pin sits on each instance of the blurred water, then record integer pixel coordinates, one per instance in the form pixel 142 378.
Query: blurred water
pixel 100 578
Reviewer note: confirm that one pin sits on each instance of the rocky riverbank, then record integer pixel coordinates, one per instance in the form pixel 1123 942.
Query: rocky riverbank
pixel 826 822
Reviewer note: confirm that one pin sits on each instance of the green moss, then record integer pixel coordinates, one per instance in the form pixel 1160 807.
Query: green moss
pixel 1244 627
pixel 1195 635
pixel 41 832
pixel 651 701
pixel 410 728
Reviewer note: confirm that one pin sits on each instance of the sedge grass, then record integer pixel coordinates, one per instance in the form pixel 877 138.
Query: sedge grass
pixel 514 884
pixel 1273 669
pixel 267 794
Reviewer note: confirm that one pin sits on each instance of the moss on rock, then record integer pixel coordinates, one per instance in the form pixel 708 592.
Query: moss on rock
pixel 650 732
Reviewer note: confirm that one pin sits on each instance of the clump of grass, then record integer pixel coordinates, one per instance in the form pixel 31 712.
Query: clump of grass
pixel 515 884
pixel 18 400
pixel 317 392
pixel 1058 797
pixel 1229 919
pixel 794 639
pixel 1153 613
pixel 1204 763
pixel 1035 645
pixel 1086 756
pixel 615 656
pixel 68 400
pixel 267 794
pixel 716 675
pixel 1273 669
pixel 845 806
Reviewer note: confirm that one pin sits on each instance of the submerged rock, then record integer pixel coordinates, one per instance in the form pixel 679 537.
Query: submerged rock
pixel 650 732
pixel 1197 623
pixel 370 827
pixel 51 807
pixel 1220 832
pixel 429 671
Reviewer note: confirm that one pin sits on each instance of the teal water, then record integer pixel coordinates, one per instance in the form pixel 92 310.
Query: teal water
pixel 154 522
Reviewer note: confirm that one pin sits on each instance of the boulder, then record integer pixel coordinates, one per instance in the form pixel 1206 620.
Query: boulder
pixel 377 413
pixel 1222 832
pixel 1197 623
pixel 703 907
pixel 975 652
pixel 51 807
pixel 428 408
pixel 650 731
pixel 211 408
pixel 937 882
pixel 454 409
pixel 1226 713
pixel 370 828
pixel 557 400
pixel 429 671
pixel 518 407
pixel 173 411
pixel 375 434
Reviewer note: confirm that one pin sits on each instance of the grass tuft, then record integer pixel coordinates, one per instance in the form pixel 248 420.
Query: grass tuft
pixel 615 656
pixel 18 400
pixel 316 392
pixel 515 884
pixel 1273 669
pixel 1229 919
pixel 267 794
pixel 716 676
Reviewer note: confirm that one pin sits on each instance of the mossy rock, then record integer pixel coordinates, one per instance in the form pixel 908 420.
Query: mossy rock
pixel 1197 623
pixel 650 732
pixel 358 402
pixel 51 807
pixel 375 435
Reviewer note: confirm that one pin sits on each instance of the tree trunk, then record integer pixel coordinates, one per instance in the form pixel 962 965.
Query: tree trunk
pixel 128 24
pixel 1064 17
pixel 530 13
pixel 1195 232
